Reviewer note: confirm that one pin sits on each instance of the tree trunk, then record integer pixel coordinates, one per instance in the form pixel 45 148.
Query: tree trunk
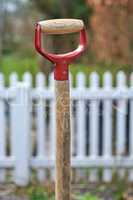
pixel 110 27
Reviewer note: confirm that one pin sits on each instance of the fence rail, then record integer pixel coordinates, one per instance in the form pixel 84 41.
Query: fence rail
pixel 102 128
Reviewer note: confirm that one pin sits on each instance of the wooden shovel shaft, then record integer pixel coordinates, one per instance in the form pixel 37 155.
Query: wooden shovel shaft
pixel 63 152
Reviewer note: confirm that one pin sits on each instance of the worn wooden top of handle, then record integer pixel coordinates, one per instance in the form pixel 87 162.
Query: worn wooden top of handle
pixel 61 26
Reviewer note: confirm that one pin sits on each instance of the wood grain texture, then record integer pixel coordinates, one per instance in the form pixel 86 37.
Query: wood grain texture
pixel 61 26
pixel 63 136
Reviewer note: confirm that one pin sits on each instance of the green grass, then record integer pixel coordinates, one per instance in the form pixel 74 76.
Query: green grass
pixel 36 191
pixel 88 196
pixel 100 69
pixel 114 190
pixel 39 194
pixel 9 64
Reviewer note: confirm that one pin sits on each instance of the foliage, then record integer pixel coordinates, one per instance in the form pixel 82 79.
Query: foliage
pixel 49 7
pixel 121 188
pixel 63 8
pixel 109 23
pixel 39 194
pixel 17 21
pixel 100 69
pixel 114 190
pixel 19 65
pixel 88 196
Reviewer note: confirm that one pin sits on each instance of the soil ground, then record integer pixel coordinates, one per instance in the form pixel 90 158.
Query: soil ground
pixel 103 191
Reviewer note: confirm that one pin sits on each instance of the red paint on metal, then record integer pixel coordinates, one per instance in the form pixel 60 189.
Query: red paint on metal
pixel 61 61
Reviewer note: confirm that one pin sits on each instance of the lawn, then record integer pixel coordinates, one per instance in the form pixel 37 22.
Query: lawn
pixel 9 64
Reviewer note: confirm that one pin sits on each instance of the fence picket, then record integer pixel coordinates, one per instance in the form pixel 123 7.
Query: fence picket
pixel 81 126
pixel 81 143
pixel 27 78
pixel 107 126
pixel 52 127
pixel 41 124
pixel 121 111
pixel 94 124
pixel 13 81
pixel 2 131
pixel 130 176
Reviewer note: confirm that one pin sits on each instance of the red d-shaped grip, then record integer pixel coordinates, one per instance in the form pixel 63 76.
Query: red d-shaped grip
pixel 61 61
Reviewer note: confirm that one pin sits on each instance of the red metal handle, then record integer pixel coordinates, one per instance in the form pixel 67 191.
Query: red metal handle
pixel 61 61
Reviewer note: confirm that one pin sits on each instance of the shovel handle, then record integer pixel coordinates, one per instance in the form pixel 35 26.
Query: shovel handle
pixel 61 26
pixel 63 138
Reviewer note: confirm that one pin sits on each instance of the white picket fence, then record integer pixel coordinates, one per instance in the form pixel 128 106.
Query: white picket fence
pixel 102 128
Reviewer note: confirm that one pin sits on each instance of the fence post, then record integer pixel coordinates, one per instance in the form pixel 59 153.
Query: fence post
pixel 21 137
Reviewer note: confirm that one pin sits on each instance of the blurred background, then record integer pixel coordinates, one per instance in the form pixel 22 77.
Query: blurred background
pixel 108 22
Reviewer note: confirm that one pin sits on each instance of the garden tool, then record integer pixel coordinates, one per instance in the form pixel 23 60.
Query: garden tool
pixel 62 95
